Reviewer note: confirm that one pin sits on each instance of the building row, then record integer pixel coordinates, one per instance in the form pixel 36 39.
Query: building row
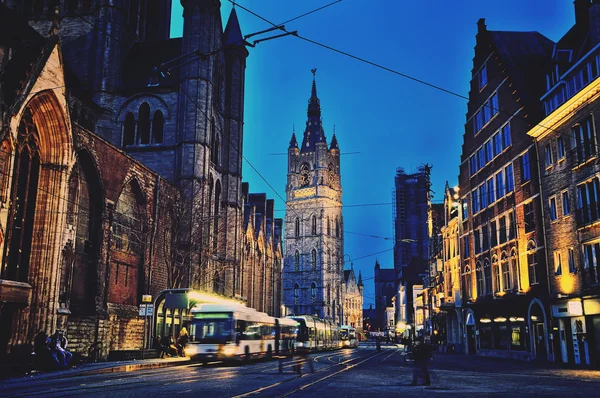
pixel 513 264
pixel 120 173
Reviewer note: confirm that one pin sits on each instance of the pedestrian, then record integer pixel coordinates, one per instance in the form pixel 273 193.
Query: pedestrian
pixel 58 344
pixel 303 357
pixel 422 354
pixel 182 341
pixel 41 350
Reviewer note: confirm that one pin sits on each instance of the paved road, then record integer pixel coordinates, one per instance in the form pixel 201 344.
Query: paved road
pixel 362 372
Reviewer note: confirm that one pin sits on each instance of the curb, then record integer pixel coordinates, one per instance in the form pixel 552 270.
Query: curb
pixel 133 367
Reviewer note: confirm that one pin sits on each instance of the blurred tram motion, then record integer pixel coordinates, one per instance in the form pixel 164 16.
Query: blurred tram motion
pixel 234 332
pixel 315 334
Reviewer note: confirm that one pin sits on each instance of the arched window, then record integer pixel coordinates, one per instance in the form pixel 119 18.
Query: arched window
pixel 313 228
pixel 328 226
pixel 329 260
pixel 532 262
pixel 297 227
pixel 480 279
pixel 158 125
pixel 129 130
pixel 497 274
pixel 505 272
pixel 313 292
pixel 296 294
pixel 313 256
pixel 128 238
pixel 337 228
pixel 514 270
pixel 144 123
pixel 328 294
pixel 297 261
pixel 216 215
pixel 487 272
pixel 467 282
pixel 216 145
pixel 26 171
pixel 78 285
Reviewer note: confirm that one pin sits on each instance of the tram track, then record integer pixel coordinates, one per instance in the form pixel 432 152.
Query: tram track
pixel 362 358
pixel 185 374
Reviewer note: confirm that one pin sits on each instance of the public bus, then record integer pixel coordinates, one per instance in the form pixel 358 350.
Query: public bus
pixel 315 334
pixel 234 332
pixel 348 336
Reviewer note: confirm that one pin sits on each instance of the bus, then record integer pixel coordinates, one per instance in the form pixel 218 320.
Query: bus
pixel 315 334
pixel 234 332
pixel 348 336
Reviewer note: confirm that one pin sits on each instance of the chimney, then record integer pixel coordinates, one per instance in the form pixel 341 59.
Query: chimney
pixel 582 17
pixel 481 28
pixel 270 208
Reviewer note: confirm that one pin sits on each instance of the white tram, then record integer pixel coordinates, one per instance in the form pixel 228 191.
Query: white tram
pixel 227 332
pixel 315 333
pixel 348 336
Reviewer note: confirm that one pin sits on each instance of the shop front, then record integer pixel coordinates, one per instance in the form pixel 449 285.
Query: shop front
pixel 578 325
pixel 512 328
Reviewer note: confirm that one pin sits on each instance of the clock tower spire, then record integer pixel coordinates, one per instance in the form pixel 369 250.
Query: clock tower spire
pixel 313 271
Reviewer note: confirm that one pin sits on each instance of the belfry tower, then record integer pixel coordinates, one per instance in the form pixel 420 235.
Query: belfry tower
pixel 313 272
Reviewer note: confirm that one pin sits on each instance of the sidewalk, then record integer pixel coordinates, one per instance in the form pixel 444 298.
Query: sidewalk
pixel 91 368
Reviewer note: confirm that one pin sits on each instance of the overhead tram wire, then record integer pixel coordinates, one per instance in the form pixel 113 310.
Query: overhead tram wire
pixel 409 77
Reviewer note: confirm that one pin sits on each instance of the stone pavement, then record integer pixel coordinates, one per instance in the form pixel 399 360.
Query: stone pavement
pixel 91 368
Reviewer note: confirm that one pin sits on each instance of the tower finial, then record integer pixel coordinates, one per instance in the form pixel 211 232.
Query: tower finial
pixel 314 72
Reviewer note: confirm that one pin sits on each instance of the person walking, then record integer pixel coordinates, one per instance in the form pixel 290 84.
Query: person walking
pixel 422 354
pixel 182 341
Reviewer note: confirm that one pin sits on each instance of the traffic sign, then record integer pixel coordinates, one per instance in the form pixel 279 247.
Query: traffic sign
pixel 146 309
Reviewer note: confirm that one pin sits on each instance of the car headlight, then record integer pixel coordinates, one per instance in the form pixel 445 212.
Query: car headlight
pixel 300 345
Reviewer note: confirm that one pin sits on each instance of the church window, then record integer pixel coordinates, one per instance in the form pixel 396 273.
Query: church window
pixel 328 226
pixel 314 259
pixel 314 225
pixel 84 210
pixel 129 130
pixel 328 260
pixel 158 127
pixel 216 214
pixel 337 228
pixel 297 261
pixel 216 145
pixel 328 294
pixel 128 234
pixel 23 197
pixel 296 294
pixel 144 124
pixel 313 292
pixel 297 228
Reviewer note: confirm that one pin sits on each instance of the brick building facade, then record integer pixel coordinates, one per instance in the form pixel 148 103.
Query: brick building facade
pixel 503 263
pixel 567 141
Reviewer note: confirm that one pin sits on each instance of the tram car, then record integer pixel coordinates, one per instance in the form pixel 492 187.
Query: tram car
pixel 315 334
pixel 348 336
pixel 234 332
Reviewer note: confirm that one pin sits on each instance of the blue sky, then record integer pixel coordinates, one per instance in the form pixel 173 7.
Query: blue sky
pixel 390 120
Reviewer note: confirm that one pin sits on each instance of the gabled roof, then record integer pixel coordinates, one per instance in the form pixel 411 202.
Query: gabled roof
pixel 525 55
